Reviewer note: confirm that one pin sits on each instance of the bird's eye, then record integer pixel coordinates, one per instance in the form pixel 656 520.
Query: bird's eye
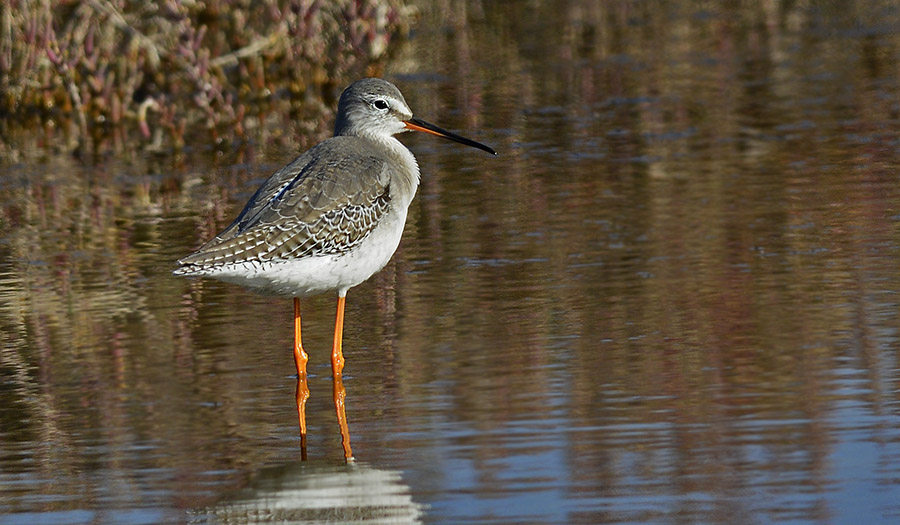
pixel 380 104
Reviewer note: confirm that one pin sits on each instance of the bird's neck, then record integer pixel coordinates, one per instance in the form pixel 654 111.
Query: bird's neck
pixel 405 169
pixel 408 175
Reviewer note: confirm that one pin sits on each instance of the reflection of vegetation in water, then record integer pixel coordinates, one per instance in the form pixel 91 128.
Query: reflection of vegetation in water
pixel 96 66
pixel 84 258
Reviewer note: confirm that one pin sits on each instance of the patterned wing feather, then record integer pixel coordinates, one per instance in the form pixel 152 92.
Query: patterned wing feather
pixel 323 203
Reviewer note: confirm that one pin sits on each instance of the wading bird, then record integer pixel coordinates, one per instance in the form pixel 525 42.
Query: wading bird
pixel 327 221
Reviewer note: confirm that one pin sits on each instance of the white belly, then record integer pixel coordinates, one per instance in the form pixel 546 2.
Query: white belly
pixel 314 275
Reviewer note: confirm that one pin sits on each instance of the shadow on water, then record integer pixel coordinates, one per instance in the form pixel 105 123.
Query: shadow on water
pixel 316 491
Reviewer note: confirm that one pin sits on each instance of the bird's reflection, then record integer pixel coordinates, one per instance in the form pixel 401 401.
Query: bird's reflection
pixel 339 394
pixel 302 395
pixel 319 492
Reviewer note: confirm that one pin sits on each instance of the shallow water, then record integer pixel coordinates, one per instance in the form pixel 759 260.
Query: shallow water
pixel 673 297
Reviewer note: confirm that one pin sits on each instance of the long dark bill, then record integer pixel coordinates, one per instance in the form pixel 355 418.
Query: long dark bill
pixel 420 125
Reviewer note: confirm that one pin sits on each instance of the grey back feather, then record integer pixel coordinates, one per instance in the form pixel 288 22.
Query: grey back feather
pixel 325 202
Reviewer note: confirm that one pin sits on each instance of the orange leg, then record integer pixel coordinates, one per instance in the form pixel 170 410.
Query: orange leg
pixel 302 393
pixel 337 355
pixel 337 368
